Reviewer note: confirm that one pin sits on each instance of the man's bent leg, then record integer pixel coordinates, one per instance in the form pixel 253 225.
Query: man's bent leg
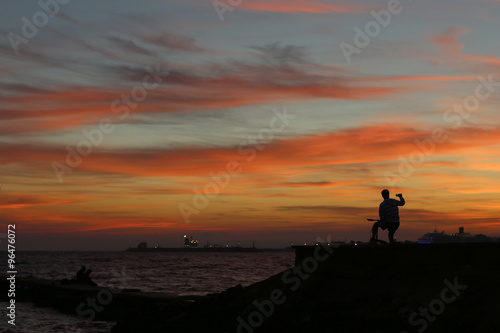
pixel 392 230
pixel 391 235
pixel 375 230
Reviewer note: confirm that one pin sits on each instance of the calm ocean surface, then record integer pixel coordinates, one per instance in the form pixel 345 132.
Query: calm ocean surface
pixel 167 272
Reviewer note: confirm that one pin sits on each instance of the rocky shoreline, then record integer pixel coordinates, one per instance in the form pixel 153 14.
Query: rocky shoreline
pixel 399 288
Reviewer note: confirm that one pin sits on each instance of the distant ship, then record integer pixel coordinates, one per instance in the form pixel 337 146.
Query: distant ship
pixel 191 245
pixel 460 237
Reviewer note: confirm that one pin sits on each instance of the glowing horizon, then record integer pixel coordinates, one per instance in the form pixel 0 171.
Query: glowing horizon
pixel 116 116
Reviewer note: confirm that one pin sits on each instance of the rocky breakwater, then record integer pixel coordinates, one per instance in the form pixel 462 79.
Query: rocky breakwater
pixel 100 303
pixel 399 288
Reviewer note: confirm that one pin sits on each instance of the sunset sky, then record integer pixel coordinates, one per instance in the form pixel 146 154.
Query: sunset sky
pixel 118 116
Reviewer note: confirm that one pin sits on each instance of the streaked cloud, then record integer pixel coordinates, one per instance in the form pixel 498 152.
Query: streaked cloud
pixel 354 123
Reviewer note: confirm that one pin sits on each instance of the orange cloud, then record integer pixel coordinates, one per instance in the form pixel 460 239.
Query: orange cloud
pixel 328 169
pixel 64 109
pixel 304 6
pixel 359 145
pixel 447 40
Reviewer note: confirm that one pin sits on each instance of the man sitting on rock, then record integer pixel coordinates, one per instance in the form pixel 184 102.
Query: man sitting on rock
pixel 88 279
pixel 80 275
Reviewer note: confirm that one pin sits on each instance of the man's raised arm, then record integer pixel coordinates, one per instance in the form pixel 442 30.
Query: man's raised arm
pixel 401 200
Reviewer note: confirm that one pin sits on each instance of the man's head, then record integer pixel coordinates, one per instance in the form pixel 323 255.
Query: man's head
pixel 385 193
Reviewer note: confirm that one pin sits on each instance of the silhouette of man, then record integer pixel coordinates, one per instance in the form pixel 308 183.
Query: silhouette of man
pixel 88 279
pixel 80 275
pixel 389 216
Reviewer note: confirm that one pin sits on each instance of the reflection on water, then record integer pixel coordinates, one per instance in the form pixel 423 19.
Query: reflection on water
pixel 170 273
pixel 31 319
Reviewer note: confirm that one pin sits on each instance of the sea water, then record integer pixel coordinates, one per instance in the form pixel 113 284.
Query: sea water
pixel 166 272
